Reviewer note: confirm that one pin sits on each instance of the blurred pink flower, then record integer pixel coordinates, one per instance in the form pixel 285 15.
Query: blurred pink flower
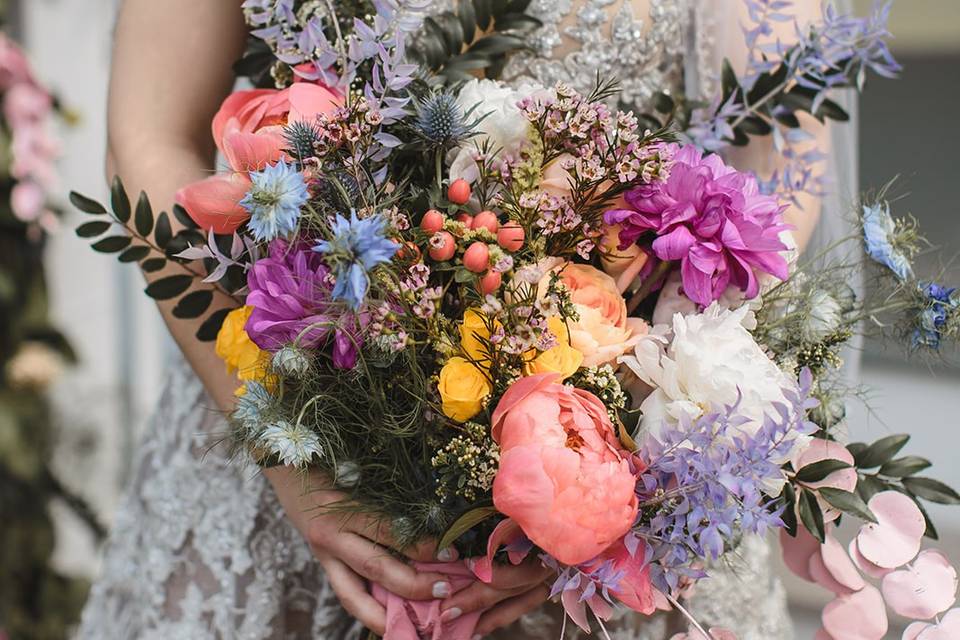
pixel 563 476
pixel 712 219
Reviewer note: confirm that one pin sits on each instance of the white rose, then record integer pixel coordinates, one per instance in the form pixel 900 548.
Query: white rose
pixel 502 126
pixel 710 358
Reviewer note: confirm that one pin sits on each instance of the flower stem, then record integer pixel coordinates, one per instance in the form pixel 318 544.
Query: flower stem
pixel 659 273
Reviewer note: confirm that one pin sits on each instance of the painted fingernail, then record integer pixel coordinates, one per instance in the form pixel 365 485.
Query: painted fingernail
pixel 451 614
pixel 441 589
pixel 447 555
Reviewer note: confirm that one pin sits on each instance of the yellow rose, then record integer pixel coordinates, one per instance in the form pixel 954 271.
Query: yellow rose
pixel 562 359
pixel 474 337
pixel 236 348
pixel 463 388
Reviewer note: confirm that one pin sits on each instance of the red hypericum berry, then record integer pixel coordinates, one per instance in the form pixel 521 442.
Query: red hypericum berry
pixel 511 236
pixel 443 249
pixel 459 192
pixel 477 257
pixel 486 220
pixel 490 282
pixel 432 221
pixel 466 219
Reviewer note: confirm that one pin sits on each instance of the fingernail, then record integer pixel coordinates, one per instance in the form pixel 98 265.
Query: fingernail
pixel 451 614
pixel 447 555
pixel 441 589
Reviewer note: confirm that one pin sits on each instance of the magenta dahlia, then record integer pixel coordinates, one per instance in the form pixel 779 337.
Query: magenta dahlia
pixel 712 219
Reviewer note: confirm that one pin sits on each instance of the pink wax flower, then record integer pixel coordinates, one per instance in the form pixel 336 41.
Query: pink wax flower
pixel 248 130
pixel 710 217
pixel 563 476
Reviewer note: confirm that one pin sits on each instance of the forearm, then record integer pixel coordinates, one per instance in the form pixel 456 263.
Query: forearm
pixel 171 69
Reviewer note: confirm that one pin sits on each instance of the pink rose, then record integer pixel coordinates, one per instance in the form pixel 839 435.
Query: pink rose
pixel 604 331
pixel 248 130
pixel 563 476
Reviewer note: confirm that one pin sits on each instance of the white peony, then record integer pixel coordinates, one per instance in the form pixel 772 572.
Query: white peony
pixel 501 123
pixel 709 358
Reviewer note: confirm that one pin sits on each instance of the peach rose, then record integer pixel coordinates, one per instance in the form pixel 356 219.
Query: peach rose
pixel 563 476
pixel 603 331
pixel 248 130
pixel 556 180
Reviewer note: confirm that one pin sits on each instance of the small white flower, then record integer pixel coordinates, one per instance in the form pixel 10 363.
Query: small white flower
pixel 825 317
pixel 294 444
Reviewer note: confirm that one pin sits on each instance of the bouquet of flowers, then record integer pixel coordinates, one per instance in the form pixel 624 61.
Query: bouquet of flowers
pixel 524 322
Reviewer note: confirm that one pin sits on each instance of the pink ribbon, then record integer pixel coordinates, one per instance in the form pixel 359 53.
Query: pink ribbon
pixel 420 619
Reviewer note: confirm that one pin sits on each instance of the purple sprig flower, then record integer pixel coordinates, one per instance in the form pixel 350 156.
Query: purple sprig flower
pixel 709 481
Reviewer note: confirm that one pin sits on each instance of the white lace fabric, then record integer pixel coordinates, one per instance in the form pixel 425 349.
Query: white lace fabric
pixel 201 550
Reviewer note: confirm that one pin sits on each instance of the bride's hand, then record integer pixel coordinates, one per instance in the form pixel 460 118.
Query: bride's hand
pixel 513 592
pixel 353 547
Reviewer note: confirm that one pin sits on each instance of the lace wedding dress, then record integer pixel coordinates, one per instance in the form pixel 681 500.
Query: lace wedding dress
pixel 200 548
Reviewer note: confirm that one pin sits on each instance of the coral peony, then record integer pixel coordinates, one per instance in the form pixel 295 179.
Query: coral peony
pixel 248 130
pixel 563 476
pixel 603 331
pixel 713 219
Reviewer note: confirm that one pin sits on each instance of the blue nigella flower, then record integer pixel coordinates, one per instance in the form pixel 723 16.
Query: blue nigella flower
pixel 356 246
pixel 878 237
pixel 274 201
pixel 940 302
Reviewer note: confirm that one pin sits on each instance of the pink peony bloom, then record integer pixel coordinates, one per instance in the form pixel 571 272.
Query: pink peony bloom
pixel 248 130
pixel 563 476
pixel 713 219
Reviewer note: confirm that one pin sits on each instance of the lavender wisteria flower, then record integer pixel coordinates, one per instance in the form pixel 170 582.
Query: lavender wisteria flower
pixel 713 220
pixel 706 483
pixel 356 246
pixel 274 201
pixel 881 242
pixel 939 310
pixel 290 292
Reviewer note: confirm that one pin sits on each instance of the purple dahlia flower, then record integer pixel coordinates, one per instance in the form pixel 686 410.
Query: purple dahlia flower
pixel 290 292
pixel 710 217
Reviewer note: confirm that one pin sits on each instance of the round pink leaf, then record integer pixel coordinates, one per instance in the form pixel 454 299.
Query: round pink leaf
pixel 858 616
pixel 924 589
pixel 863 564
pixel 798 550
pixel 823 578
pixel 839 565
pixel 894 539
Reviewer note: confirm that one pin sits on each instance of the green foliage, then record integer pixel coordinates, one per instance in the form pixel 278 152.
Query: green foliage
pixel 152 244
pixel 475 38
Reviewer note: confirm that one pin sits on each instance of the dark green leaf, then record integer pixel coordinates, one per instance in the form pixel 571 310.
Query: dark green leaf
pixel 468 19
pixel 790 120
pixel 87 205
pixel 847 502
pixel 881 451
pixel 211 326
pixel 134 254
pixel 169 287
pixel 830 109
pixel 856 448
pixel 194 304
pixel 931 531
pixel 162 232
pixel 756 125
pixel 905 466
pixel 183 217
pixel 819 470
pixel 811 516
pixel 789 515
pixel 728 79
pixel 482 10
pixel 153 264
pixel 143 218
pixel 497 43
pixel 463 275
pixel 453 33
pixel 113 244
pixel 663 103
pixel 464 523
pixel 93 229
pixel 932 490
pixel 119 200
pixel 869 486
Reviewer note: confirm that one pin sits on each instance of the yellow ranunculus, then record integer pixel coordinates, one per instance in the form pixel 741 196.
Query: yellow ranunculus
pixel 236 348
pixel 463 388
pixel 474 336
pixel 562 359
